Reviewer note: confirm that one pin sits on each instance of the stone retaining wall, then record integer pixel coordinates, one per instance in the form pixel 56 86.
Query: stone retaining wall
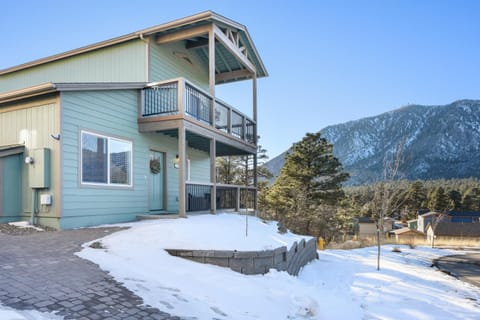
pixel 256 262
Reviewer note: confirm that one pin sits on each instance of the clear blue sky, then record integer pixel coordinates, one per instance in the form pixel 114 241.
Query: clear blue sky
pixel 329 61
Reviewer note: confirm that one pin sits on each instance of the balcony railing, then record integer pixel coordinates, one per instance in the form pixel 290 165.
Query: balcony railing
pixel 228 197
pixel 179 96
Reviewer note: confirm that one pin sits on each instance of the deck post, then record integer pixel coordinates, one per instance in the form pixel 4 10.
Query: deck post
pixel 213 176
pixel 255 139
pixel 182 154
pixel 211 62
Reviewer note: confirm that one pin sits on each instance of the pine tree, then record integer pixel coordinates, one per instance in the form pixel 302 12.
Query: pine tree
pixel 455 200
pixel 471 199
pixel 439 200
pixel 417 195
pixel 311 177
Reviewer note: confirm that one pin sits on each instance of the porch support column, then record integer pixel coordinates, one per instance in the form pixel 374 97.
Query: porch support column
pixel 182 154
pixel 211 62
pixel 213 176
pixel 255 138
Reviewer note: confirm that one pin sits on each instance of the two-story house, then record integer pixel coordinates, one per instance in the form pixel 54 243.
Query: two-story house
pixel 128 126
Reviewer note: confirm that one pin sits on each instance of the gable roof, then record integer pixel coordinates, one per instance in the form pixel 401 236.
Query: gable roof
pixel 407 230
pixel 199 19
pixel 453 229
pixel 429 214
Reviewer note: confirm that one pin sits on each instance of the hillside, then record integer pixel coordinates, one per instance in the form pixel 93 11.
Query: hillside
pixel 439 142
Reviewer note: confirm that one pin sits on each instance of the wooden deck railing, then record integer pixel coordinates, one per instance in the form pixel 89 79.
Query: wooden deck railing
pixel 179 96
pixel 228 197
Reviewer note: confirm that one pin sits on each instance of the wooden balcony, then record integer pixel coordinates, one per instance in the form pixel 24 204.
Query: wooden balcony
pixel 179 99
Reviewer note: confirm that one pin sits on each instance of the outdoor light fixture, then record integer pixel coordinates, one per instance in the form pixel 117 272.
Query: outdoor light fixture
pixel 29 160
pixel 176 162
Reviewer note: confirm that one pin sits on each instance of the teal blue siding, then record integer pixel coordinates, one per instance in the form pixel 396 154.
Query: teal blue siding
pixel 113 113
pixel 120 63
pixel 199 166
pixel 164 65
pixel 10 178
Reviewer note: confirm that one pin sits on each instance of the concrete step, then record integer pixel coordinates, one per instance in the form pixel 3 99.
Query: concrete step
pixel 158 216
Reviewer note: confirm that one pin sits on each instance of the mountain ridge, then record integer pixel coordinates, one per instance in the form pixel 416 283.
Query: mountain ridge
pixel 438 141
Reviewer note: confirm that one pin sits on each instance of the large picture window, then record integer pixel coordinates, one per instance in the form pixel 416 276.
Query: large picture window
pixel 106 160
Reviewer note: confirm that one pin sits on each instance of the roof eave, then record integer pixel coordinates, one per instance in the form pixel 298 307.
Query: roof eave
pixel 50 87
pixel 29 92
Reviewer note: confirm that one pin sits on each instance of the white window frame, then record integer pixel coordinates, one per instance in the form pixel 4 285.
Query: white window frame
pixel 108 184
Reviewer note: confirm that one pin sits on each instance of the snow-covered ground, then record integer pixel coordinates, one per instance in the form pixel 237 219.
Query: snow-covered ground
pixel 11 314
pixel 342 284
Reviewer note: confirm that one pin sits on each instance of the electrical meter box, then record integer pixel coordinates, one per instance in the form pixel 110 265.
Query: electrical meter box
pixel 39 171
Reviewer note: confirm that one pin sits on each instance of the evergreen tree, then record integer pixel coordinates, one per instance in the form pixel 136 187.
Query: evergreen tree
pixel 471 200
pixel 311 177
pixel 455 200
pixel 439 200
pixel 416 197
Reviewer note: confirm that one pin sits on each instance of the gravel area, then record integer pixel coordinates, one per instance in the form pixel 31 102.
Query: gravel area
pixel 19 231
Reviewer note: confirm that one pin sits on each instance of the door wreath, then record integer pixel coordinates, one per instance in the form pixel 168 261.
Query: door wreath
pixel 155 166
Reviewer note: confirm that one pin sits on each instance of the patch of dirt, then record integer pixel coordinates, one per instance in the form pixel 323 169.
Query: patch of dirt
pixel 6 228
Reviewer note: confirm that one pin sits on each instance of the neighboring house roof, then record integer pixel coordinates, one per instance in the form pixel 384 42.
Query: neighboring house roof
pixel 456 229
pixel 464 213
pixel 55 87
pixel 364 220
pixel 406 230
pixel 196 20
pixel 430 213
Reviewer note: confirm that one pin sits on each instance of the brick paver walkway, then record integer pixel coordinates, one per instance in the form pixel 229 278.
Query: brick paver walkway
pixel 40 271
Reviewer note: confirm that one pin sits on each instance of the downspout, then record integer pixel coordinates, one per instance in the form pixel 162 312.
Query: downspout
pixel 34 206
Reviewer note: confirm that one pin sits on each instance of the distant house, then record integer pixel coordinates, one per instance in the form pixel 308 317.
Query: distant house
pixel 128 126
pixel 444 231
pixel 366 226
pixel 407 235
pixel 426 218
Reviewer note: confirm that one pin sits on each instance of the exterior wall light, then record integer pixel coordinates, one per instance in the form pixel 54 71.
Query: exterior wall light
pixel 29 160
pixel 176 162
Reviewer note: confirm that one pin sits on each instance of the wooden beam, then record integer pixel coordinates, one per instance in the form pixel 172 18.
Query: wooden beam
pixel 243 73
pixel 211 62
pixel 194 44
pixel 230 46
pixel 184 34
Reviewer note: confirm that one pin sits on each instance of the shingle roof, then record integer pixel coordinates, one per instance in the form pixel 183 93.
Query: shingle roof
pixel 457 229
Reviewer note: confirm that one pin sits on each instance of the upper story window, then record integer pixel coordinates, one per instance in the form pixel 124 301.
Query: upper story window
pixel 106 160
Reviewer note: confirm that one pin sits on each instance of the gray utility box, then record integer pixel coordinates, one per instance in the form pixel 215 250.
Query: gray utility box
pixel 39 171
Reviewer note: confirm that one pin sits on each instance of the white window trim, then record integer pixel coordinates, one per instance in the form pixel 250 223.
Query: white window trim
pixel 108 184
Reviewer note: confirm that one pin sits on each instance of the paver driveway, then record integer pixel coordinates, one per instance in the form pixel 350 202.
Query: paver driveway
pixel 40 271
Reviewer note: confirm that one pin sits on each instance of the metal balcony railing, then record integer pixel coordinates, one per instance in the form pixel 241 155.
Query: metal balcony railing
pixel 228 197
pixel 179 96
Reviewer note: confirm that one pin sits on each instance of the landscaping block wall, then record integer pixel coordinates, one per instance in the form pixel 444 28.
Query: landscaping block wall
pixel 256 262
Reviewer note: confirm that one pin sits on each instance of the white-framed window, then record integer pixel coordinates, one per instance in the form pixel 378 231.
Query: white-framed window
pixel 105 160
